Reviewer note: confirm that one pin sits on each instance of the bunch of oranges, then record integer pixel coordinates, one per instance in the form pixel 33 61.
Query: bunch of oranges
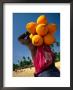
pixel 41 32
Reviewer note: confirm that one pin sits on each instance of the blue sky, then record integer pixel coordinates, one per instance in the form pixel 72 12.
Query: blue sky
pixel 19 22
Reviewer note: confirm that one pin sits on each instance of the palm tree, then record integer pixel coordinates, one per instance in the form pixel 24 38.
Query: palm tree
pixel 57 54
pixel 58 44
pixel 24 58
pixel 15 66
pixel 28 58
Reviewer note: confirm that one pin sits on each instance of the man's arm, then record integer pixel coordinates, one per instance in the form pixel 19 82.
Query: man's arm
pixel 27 43
pixel 24 38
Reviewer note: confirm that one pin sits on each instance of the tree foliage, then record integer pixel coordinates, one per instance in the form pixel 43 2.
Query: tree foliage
pixel 57 54
pixel 23 63
pixel 15 66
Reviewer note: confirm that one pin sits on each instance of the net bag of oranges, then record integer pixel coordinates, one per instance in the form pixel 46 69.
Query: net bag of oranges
pixel 42 36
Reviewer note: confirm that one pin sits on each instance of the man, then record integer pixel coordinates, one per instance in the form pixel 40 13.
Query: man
pixel 47 70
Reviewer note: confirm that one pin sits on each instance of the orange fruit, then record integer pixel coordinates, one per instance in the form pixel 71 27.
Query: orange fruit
pixel 41 29
pixel 42 20
pixel 37 40
pixel 49 39
pixel 31 36
pixel 52 28
pixel 31 27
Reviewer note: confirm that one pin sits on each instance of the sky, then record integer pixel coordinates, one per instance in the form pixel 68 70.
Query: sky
pixel 19 22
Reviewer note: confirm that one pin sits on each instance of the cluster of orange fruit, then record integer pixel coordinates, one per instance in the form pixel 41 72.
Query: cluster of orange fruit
pixel 41 32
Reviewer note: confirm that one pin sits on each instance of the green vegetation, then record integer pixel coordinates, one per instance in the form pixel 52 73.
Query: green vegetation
pixel 57 57
pixel 23 63
pixel 57 53
pixel 15 66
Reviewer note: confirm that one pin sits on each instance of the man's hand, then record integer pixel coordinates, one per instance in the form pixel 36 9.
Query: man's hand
pixel 22 41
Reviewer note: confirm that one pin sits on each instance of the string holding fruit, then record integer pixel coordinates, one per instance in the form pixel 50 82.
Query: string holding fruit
pixel 41 32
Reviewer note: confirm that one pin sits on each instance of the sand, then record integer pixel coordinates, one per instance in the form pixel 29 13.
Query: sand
pixel 29 72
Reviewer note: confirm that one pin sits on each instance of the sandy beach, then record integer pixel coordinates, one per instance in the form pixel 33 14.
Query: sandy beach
pixel 29 72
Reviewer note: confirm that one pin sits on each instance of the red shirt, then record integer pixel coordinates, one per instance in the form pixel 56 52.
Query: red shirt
pixel 43 59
